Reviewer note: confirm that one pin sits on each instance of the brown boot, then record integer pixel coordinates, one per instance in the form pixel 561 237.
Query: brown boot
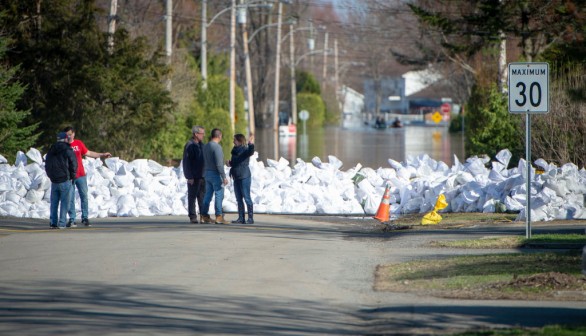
pixel 205 219
pixel 220 220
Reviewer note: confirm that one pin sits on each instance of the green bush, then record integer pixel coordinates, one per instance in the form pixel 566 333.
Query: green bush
pixel 315 106
pixel 219 118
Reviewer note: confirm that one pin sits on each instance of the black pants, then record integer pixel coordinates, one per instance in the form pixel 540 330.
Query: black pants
pixel 195 190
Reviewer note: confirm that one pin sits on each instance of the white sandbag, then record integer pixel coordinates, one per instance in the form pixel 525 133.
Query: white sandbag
pixel 464 178
pixel 20 159
pixel 114 163
pixel 471 192
pixel 139 167
pixel 513 204
pixel 366 187
pixel 504 157
pixel 154 167
pixel 34 196
pixel 35 155
pixel 370 204
pixel 334 162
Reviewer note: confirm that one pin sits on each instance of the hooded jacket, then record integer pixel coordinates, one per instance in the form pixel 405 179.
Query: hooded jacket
pixel 240 161
pixel 60 163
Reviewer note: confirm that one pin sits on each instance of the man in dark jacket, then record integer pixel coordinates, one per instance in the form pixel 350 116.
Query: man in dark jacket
pixel 193 171
pixel 61 166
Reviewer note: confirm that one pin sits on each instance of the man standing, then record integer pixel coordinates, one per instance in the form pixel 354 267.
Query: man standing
pixel 215 177
pixel 79 149
pixel 61 166
pixel 193 164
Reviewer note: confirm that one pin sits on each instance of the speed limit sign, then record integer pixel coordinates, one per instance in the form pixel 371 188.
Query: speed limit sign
pixel 529 88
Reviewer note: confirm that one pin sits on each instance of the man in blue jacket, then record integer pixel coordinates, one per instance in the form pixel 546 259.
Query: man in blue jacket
pixel 193 171
pixel 61 166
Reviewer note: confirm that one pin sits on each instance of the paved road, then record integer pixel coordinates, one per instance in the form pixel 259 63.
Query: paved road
pixel 282 276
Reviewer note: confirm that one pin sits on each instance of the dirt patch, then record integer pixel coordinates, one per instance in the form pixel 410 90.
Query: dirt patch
pixel 552 286
pixel 549 280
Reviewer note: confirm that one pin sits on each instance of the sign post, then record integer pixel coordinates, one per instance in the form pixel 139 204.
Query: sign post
pixel 304 115
pixel 529 94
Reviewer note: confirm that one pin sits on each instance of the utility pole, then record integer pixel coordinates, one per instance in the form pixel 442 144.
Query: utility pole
pixel 249 91
pixel 502 68
pixel 232 64
pixel 112 25
pixel 325 72
pixel 277 78
pixel 169 37
pixel 311 44
pixel 277 68
pixel 292 69
pixel 204 44
pixel 336 67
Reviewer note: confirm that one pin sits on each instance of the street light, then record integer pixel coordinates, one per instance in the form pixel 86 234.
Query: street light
pixel 292 66
pixel 277 78
pixel 246 40
pixel 204 72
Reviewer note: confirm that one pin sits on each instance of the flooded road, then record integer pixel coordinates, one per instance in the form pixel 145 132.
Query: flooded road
pixel 367 146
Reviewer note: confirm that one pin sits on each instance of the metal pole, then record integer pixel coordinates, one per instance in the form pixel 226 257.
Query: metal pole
pixel 204 45
pixel 277 75
pixel 528 156
pixel 233 65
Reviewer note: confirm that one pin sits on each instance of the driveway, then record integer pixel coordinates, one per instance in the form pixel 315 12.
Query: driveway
pixel 285 275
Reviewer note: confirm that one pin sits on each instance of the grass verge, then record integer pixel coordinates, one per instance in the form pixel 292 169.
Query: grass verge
pixel 528 276
pixel 512 241
pixel 553 330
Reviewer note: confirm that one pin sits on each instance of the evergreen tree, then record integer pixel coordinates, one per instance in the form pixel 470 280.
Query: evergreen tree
pixel 116 101
pixel 491 127
pixel 15 134
pixel 307 83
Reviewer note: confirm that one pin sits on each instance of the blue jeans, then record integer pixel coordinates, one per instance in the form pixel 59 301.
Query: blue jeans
pixel 81 186
pixel 214 187
pixel 60 193
pixel 242 191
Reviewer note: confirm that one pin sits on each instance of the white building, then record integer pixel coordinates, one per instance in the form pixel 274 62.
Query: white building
pixel 352 107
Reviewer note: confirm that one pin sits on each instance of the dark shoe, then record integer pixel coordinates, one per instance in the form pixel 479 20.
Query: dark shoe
pixel 193 220
pixel 53 227
pixel 71 224
pixel 250 220
pixel 240 219
pixel 206 219
pixel 85 222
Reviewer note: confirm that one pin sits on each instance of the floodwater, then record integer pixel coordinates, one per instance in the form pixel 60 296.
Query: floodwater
pixel 368 146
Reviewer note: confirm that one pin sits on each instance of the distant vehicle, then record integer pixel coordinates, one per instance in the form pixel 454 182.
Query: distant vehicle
pixel 397 123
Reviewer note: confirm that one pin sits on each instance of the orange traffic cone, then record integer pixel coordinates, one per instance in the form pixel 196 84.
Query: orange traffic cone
pixel 384 208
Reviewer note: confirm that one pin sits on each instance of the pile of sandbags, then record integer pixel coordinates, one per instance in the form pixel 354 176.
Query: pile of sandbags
pixel 118 188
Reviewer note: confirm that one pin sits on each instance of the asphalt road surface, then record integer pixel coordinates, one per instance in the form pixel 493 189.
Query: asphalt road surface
pixel 285 275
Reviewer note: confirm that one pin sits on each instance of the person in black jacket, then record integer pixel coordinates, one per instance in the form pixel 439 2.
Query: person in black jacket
pixel 193 171
pixel 240 172
pixel 61 166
